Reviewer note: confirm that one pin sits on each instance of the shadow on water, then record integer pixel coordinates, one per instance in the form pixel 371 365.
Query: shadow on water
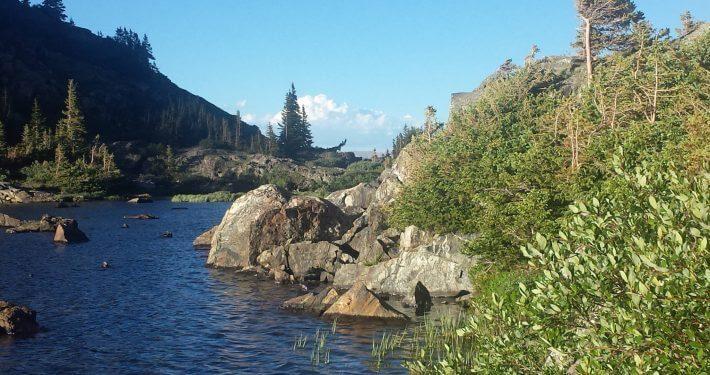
pixel 158 308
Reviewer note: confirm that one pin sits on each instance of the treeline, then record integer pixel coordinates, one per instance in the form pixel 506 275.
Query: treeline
pixel 589 205
pixel 59 156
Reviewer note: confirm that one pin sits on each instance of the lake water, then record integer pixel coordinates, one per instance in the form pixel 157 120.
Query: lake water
pixel 158 309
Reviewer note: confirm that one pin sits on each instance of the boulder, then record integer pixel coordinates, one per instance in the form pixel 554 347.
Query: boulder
pixel 266 218
pixel 439 265
pixel 17 320
pixel 313 302
pixel 8 221
pixel 140 200
pixel 204 241
pixel 413 237
pixel 11 194
pixel 355 199
pixel 46 223
pixel 360 302
pixel 346 275
pixel 68 232
pixel 420 299
pixel 306 261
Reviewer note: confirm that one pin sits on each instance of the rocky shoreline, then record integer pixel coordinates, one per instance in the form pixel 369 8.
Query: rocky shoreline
pixel 342 247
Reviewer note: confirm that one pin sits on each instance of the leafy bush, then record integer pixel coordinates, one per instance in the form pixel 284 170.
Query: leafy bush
pixel 359 172
pixel 623 288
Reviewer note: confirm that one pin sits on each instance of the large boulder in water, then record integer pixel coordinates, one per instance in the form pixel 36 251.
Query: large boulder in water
pixel 46 223
pixel 266 218
pixel 313 302
pixel 68 232
pixel 360 302
pixel 204 241
pixel 17 320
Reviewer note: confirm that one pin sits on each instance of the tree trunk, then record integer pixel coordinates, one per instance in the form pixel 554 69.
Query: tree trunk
pixel 588 48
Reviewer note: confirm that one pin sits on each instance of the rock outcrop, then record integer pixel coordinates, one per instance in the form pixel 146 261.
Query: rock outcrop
pixel 305 261
pixel 17 320
pixel 46 223
pixel 8 221
pixel 315 303
pixel 68 232
pixel 354 200
pixel 267 218
pixel 204 241
pixel 11 194
pixel 360 302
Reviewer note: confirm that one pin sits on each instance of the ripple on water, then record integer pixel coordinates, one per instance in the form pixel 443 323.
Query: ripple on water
pixel 158 308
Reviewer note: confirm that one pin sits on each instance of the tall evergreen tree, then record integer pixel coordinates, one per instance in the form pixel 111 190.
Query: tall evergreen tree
pixel 238 130
pixel 431 124
pixel 3 143
pixel 70 129
pixel 305 131
pixel 289 142
pixel 54 8
pixel 606 26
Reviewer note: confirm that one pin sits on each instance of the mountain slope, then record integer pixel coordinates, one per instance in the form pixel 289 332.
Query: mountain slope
pixel 122 96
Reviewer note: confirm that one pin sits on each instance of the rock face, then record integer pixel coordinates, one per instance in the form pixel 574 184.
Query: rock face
pixel 439 266
pixel 354 200
pixel 11 194
pixel 266 218
pixel 68 232
pixel 17 320
pixel 204 241
pixel 8 221
pixel 413 237
pixel 306 261
pixel 46 223
pixel 359 302
pixel 312 302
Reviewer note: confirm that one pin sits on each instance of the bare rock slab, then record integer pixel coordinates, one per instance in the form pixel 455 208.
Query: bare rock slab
pixel 360 302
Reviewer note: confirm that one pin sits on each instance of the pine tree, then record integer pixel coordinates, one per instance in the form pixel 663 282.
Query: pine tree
pixel 289 142
pixel 305 131
pixel 688 24
pixel 272 139
pixel 606 26
pixel 54 8
pixel 431 125
pixel 70 129
pixel 238 130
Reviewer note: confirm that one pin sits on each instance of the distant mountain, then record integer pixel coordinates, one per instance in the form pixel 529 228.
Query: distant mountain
pixel 122 94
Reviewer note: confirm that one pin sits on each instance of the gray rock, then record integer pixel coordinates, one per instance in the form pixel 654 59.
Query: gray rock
pixel 313 302
pixel 413 237
pixel 8 221
pixel 266 218
pixel 46 223
pixel 346 275
pixel 355 199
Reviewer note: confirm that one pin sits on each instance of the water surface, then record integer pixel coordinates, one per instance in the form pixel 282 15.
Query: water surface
pixel 158 309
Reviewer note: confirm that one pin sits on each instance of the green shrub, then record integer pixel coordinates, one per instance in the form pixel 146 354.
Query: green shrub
pixel 217 196
pixel 360 172
pixel 623 288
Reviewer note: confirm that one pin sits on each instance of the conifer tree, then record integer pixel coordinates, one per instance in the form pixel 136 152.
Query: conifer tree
pixel 606 26
pixel 289 142
pixel 238 129
pixel 3 143
pixel 272 140
pixel 688 24
pixel 70 129
pixel 54 8
pixel 305 131
pixel 431 125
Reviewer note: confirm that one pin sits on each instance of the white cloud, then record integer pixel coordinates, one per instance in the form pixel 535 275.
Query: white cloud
pixel 248 117
pixel 407 117
pixel 241 103
pixel 320 107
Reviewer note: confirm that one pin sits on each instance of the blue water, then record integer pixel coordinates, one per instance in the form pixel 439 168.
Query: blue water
pixel 158 309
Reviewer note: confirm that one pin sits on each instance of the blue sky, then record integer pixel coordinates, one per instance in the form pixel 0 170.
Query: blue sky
pixel 362 68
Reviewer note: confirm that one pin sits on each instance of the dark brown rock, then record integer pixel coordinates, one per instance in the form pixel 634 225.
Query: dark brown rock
pixel 313 302
pixel 68 232
pixel 46 223
pixel 17 320
pixel 8 221
pixel 360 302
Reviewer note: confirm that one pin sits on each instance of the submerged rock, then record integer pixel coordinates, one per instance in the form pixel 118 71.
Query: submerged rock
pixel 204 241
pixel 68 232
pixel 266 218
pixel 141 217
pixel 313 302
pixel 360 302
pixel 17 320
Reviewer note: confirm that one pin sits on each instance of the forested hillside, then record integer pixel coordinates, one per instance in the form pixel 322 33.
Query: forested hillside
pixel 122 94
